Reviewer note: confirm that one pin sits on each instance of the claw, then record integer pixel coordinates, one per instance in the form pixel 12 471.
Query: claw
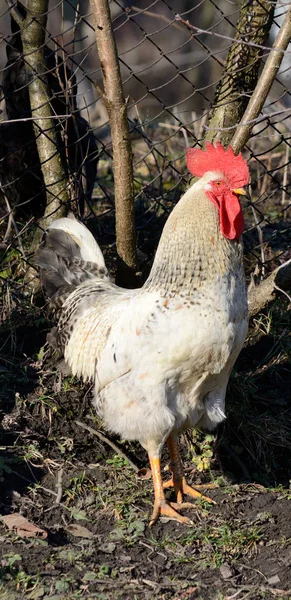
pixel 185 489
pixel 167 509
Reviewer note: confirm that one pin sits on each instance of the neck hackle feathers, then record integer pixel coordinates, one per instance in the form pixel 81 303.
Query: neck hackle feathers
pixel 217 159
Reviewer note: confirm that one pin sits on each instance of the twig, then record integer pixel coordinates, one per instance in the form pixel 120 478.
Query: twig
pixel 226 37
pixel 285 175
pixel 263 86
pixel 235 595
pixel 255 121
pixel 149 13
pixel 11 221
pixel 108 442
pixel 261 240
pixel 276 287
pixel 252 569
pixel 26 119
pixel 276 591
pixel 41 487
pixel 59 485
pixel 176 128
pixel 149 145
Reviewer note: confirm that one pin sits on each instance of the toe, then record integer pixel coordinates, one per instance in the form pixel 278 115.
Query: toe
pixel 166 509
pixel 187 489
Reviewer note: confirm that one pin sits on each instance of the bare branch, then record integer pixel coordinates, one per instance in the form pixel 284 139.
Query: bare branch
pixel 121 144
pixel 241 41
pixel 237 85
pixel 18 18
pixel 263 294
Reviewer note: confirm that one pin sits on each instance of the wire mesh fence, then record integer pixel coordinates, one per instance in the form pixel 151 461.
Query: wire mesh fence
pixel 171 55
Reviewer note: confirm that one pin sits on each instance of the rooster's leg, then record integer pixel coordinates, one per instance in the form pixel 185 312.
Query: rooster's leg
pixel 161 506
pixel 178 480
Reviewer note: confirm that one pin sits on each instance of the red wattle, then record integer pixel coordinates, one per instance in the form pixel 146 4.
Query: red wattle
pixel 230 214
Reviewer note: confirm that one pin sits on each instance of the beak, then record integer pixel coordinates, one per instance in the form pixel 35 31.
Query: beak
pixel 240 192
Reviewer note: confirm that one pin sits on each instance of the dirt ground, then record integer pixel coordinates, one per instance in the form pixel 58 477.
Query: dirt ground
pixel 93 509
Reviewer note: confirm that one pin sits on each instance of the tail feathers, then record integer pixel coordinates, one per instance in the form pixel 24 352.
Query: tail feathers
pixel 63 258
pixel 83 238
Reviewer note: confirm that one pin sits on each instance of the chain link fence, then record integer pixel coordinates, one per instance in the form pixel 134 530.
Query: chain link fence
pixel 170 72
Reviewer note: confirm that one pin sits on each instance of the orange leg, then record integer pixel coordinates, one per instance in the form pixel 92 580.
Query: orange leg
pixel 178 480
pixel 161 506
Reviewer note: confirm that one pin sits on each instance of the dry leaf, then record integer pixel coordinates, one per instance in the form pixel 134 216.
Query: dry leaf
pixel 144 474
pixel 226 572
pixel 79 531
pixel 23 527
pixel 107 548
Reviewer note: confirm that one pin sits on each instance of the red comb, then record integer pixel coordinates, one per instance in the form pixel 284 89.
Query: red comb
pixel 216 158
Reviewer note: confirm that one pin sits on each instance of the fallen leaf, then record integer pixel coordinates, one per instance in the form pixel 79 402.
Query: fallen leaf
pixel 23 527
pixel 274 580
pixel 226 572
pixel 80 531
pixel 144 474
pixel 107 548
pixel 78 515
pixel 189 594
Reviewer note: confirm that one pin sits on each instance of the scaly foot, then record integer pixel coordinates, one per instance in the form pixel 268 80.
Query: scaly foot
pixel 161 506
pixel 182 488
pixel 178 480
pixel 167 509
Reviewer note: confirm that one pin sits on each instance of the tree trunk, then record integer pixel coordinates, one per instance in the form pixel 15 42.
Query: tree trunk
pixel 241 70
pixel 121 143
pixel 263 86
pixel 56 183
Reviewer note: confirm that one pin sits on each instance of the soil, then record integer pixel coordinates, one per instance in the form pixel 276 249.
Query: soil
pixel 94 507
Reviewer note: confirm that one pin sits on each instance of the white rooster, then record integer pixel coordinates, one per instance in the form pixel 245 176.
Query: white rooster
pixel 161 355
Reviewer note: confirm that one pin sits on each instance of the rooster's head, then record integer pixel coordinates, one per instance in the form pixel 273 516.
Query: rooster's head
pixel 228 174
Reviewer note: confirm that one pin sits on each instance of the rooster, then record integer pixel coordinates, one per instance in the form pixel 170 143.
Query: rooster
pixel 161 355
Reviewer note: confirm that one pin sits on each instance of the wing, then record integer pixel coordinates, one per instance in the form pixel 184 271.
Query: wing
pixel 87 317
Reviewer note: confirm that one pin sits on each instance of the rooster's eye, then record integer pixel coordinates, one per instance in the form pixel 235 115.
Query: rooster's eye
pixel 218 183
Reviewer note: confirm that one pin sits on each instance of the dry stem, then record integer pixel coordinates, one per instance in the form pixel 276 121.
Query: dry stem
pixel 109 442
